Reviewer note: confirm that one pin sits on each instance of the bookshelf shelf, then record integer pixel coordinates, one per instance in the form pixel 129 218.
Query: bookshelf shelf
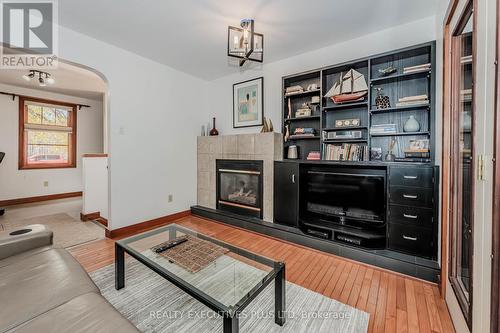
pixel 345 128
pixel 400 108
pixel 301 118
pixel 292 138
pixel 345 106
pixel 403 76
pixel 402 134
pixel 303 93
pixel 344 140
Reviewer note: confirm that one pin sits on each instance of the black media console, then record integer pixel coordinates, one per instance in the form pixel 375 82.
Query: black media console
pixel 372 205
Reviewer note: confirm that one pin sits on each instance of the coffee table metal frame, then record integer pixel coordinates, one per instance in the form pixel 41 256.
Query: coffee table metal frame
pixel 230 314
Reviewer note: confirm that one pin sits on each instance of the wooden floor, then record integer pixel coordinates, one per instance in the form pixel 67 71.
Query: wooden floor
pixel 396 303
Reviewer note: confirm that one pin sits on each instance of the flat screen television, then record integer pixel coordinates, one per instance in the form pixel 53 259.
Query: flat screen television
pixel 344 196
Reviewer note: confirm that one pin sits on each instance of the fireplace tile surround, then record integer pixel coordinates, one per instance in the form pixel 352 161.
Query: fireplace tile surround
pixel 266 147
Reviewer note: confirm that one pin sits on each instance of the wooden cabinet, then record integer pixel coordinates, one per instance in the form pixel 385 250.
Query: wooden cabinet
pixel 286 193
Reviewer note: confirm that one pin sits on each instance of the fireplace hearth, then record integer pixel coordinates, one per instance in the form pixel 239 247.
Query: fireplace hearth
pixel 239 186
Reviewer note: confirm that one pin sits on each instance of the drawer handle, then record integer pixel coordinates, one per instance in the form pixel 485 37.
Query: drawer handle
pixel 408 196
pixel 293 178
pixel 410 177
pixel 410 238
pixel 410 216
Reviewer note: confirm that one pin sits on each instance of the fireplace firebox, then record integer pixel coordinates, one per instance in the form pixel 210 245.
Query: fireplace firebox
pixel 239 187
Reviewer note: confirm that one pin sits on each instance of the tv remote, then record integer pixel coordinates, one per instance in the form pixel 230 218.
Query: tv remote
pixel 171 244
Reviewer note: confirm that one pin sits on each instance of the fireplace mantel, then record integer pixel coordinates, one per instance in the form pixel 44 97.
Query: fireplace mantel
pixel 266 147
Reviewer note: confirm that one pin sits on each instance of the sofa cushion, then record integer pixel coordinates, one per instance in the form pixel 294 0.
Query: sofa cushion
pixel 38 283
pixel 85 313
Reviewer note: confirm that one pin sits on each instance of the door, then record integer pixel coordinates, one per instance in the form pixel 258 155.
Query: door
pixel 286 193
pixel 463 162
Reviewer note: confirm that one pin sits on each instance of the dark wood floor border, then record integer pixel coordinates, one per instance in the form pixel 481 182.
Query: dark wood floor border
pixel 411 269
pixel 19 201
pixel 146 225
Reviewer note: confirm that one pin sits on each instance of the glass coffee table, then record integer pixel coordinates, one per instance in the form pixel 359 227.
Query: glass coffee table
pixel 227 285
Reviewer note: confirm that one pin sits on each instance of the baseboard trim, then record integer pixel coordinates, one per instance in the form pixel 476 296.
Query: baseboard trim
pixel 90 216
pixel 40 198
pixel 146 225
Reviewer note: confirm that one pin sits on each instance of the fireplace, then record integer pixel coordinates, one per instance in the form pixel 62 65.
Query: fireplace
pixel 239 187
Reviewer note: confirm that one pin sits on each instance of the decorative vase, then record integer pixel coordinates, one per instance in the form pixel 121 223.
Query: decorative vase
pixel 214 131
pixel 293 153
pixel 382 101
pixel 411 125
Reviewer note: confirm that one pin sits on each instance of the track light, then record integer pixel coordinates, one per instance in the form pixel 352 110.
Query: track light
pixel 43 77
pixel 29 76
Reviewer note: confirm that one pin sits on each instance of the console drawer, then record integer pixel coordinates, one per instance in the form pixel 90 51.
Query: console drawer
pixel 411 196
pixel 412 240
pixel 408 215
pixel 416 177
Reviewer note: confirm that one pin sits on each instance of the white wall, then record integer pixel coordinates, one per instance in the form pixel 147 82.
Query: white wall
pixel 154 118
pixel 95 186
pixel 16 183
pixel 220 90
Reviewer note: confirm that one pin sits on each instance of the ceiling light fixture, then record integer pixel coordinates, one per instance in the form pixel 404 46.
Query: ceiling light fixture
pixel 43 77
pixel 244 43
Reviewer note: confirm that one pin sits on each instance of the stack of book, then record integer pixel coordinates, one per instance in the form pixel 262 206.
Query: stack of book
pixel 345 152
pixel 415 155
pixel 413 100
pixel 383 129
pixel 416 69
pixel 314 156
pixel 293 90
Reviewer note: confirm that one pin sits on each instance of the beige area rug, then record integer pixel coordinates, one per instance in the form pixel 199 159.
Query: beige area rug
pixel 67 230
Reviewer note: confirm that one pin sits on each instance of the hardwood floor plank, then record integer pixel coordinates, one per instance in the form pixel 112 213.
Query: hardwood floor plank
pixel 371 305
pixel 346 291
pixel 435 321
pixel 411 307
pixel 396 303
pixel 379 322
pixel 391 308
pixel 356 288
pixel 423 314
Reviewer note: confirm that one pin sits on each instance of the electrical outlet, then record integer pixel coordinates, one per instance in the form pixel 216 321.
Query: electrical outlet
pixel 45 183
pixel 170 198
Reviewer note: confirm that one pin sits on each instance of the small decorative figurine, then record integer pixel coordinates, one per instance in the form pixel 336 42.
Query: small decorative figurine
pixel 387 71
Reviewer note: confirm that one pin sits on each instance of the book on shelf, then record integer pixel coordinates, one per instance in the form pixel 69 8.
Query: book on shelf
pixel 412 103
pixel 417 68
pixel 412 159
pixel 299 136
pixel 304 130
pixel 314 156
pixel 345 152
pixel 383 129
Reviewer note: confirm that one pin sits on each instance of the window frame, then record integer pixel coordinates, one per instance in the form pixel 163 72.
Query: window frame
pixel 23 137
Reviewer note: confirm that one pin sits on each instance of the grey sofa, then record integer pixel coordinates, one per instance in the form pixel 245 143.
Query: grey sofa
pixel 43 289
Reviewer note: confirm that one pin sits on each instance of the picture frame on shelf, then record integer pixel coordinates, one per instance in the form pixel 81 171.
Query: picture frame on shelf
pixel 248 103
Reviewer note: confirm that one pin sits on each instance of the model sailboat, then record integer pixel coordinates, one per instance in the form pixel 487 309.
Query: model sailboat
pixel 350 87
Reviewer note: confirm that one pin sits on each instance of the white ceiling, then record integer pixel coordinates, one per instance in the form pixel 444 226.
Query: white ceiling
pixel 69 80
pixel 191 35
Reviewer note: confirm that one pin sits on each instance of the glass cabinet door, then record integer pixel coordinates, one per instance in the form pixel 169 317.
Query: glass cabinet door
pixel 462 141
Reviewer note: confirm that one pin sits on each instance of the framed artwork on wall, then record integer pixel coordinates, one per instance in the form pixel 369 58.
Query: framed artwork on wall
pixel 248 103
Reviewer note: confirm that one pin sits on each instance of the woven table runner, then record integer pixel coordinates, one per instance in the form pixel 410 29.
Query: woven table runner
pixel 194 254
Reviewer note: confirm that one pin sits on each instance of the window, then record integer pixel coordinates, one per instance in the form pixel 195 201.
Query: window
pixel 47 134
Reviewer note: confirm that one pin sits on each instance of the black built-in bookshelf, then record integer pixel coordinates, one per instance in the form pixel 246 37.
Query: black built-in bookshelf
pixel 396 85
